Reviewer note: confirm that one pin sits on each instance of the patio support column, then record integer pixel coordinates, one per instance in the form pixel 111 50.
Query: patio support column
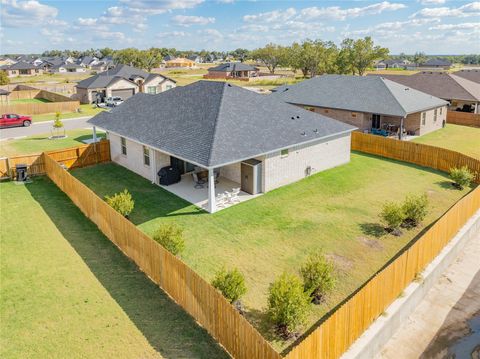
pixel 212 206
pixel 94 134
pixel 400 135
pixel 476 108
pixel 153 165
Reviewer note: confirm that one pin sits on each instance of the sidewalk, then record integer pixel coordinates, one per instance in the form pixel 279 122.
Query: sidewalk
pixel 442 317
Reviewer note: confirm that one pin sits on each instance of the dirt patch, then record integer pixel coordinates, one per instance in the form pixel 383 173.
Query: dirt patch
pixel 342 263
pixel 371 243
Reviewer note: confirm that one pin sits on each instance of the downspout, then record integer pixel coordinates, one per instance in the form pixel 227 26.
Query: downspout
pixel 400 134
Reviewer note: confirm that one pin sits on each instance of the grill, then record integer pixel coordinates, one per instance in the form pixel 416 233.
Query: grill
pixel 168 175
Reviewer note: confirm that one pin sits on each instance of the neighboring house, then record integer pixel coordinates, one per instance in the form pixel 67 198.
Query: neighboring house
pixel 4 96
pixel 436 64
pixel 102 65
pixel 396 64
pixel 6 61
pixel 195 58
pixel 462 94
pixel 22 68
pixel 180 62
pixel 67 67
pixel 380 65
pixel 368 102
pixel 122 81
pixel 87 61
pixel 254 142
pixel 471 75
pixel 232 70
pixel 168 58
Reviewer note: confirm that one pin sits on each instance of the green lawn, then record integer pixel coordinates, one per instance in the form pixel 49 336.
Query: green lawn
pixel 68 292
pixel 30 100
pixel 85 110
pixel 40 143
pixel 463 139
pixel 336 210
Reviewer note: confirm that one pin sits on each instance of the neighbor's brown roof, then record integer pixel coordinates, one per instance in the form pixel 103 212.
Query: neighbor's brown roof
pixel 472 75
pixel 439 84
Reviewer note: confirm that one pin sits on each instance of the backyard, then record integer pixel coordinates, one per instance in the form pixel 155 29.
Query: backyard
pixel 463 139
pixel 336 210
pixel 67 291
pixel 40 143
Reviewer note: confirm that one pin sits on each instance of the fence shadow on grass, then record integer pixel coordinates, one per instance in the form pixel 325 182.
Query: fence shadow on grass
pixel 166 326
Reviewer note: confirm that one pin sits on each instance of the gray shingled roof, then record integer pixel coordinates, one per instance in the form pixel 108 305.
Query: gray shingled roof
pixel 233 66
pixel 472 75
pixel 371 94
pixel 213 123
pixel 103 79
pixel 22 65
pixel 4 92
pixel 436 62
pixel 439 84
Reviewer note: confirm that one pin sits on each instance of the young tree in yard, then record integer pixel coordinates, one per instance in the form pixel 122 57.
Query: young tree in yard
pixel 230 283
pixel 462 177
pixel 271 56
pixel 4 80
pixel 122 202
pixel 288 304
pixel 393 216
pixel 415 209
pixel 170 236
pixel 317 274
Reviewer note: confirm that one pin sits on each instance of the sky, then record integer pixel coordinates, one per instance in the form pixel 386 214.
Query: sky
pixel 432 26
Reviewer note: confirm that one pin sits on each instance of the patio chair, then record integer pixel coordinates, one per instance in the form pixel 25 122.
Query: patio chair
pixel 233 196
pixel 198 182
pixel 221 200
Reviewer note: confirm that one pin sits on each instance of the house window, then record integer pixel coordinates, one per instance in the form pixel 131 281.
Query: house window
pixel 284 153
pixel 146 156
pixel 326 111
pixel 435 115
pixel 441 109
pixel 168 87
pixel 123 143
pixel 424 117
pixel 354 114
pixel 152 90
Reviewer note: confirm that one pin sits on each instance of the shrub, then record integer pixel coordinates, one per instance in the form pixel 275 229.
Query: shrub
pixel 392 215
pixel 415 209
pixel 57 123
pixel 170 236
pixel 122 202
pixel 287 303
pixel 317 274
pixel 461 176
pixel 230 283
pixel 4 80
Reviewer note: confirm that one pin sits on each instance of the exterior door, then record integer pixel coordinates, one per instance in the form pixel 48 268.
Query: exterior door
pixel 246 172
pixel 375 121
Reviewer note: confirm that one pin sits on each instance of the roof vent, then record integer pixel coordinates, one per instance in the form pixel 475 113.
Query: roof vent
pixel 293 118
pixel 315 131
pixel 303 133
pixel 229 85
pixel 298 116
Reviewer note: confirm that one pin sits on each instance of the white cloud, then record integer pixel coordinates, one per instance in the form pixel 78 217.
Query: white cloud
pixel 170 34
pixel 432 2
pixel 335 12
pixel 159 6
pixel 271 16
pixel 183 20
pixel 461 26
pixel 89 21
pixel 467 10
pixel 15 13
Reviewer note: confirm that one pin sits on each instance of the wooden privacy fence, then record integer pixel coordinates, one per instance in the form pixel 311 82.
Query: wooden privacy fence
pixel 39 108
pixel 81 156
pixel 187 288
pixel 346 324
pixel 463 118
pixel 424 155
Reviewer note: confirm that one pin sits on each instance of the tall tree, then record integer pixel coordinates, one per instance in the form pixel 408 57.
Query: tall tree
pixel 271 56
pixel 356 56
pixel 419 57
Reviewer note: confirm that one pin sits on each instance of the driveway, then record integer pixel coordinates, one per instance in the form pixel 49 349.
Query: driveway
pixel 43 127
pixel 446 323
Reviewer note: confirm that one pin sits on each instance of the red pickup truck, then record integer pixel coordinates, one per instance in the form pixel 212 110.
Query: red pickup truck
pixel 11 119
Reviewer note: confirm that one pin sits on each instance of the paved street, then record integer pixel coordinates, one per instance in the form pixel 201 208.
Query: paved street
pixel 43 127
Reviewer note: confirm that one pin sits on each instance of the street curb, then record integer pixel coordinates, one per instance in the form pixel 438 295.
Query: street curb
pixel 66 120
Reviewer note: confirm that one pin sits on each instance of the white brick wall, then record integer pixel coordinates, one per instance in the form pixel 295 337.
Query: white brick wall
pixel 134 158
pixel 279 171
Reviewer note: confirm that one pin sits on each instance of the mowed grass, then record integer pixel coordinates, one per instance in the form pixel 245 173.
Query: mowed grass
pixel 68 292
pixel 30 100
pixel 463 139
pixel 40 143
pixel 85 110
pixel 336 210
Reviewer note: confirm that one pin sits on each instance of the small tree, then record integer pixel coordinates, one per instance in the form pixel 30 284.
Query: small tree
pixel 57 123
pixel 122 202
pixel 392 216
pixel 317 274
pixel 287 303
pixel 230 283
pixel 4 80
pixel 170 236
pixel 462 177
pixel 415 209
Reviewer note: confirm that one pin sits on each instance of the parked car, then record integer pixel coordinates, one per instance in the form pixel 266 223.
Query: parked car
pixel 11 119
pixel 113 101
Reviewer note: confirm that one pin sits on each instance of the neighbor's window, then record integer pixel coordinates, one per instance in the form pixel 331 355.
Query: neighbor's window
pixel 123 143
pixel 424 117
pixel 146 156
pixel 152 90
pixel 354 114
pixel 441 109
pixel 435 115
pixel 168 87
pixel 326 111
pixel 284 153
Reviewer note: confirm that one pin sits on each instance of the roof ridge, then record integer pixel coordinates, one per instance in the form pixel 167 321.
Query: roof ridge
pixel 391 93
pixel 459 80
pixel 214 132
